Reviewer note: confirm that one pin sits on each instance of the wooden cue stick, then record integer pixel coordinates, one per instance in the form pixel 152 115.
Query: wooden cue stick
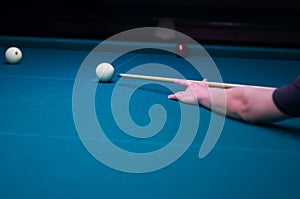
pixel 172 80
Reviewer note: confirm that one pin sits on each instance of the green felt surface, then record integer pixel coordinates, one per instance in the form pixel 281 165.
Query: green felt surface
pixel 42 155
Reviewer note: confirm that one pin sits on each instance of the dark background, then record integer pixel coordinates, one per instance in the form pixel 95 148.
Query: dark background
pixel 261 23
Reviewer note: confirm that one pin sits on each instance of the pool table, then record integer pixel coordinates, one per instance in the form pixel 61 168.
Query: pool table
pixel 43 154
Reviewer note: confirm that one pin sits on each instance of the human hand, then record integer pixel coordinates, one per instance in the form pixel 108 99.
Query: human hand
pixel 195 93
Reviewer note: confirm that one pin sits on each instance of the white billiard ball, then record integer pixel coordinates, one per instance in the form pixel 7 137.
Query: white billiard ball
pixel 105 72
pixel 13 55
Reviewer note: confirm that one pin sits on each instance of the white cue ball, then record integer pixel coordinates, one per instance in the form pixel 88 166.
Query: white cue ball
pixel 13 55
pixel 105 72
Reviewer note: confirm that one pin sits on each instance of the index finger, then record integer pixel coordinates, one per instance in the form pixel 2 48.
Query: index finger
pixel 183 82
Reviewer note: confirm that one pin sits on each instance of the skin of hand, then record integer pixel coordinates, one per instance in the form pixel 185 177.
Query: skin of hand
pixel 249 104
pixel 195 93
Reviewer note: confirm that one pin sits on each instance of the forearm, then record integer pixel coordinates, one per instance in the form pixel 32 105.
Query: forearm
pixel 249 104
